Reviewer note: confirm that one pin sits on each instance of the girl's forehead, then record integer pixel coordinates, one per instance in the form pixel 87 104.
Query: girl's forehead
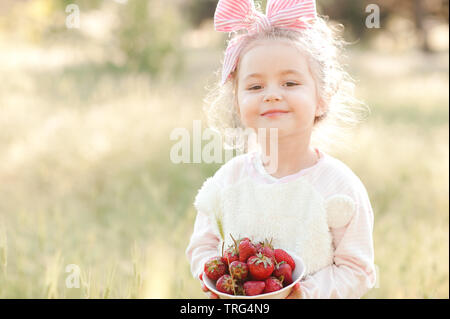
pixel 271 55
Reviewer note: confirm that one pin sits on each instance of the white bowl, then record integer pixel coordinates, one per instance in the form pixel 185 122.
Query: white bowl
pixel 297 275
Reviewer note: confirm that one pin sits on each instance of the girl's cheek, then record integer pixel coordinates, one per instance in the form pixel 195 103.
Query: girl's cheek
pixel 255 97
pixel 245 98
pixel 249 102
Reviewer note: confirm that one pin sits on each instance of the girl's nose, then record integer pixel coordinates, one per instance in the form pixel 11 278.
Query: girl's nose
pixel 272 97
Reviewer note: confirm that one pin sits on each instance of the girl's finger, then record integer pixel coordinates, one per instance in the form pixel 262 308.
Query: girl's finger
pixel 210 294
pixel 204 288
pixel 213 295
pixel 295 293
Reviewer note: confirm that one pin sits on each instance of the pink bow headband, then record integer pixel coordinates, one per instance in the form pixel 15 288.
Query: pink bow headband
pixel 235 15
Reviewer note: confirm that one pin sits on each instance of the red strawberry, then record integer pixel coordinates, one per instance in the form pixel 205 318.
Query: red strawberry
pixel 246 249
pixel 272 284
pixel 226 284
pixel 253 288
pixel 260 266
pixel 238 270
pixel 266 248
pixel 283 272
pixel 281 255
pixel 215 267
pixel 230 255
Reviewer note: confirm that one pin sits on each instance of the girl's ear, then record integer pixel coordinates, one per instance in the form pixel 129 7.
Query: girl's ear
pixel 322 107
pixel 319 109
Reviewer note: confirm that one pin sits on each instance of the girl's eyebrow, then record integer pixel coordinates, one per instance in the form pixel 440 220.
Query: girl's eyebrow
pixel 283 72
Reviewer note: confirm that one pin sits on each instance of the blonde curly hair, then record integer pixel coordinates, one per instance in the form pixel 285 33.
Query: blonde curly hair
pixel 323 47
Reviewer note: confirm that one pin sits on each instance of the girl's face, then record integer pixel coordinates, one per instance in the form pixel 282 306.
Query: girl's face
pixel 276 89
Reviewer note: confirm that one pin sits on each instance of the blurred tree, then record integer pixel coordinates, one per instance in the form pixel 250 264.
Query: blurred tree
pixel 149 35
pixel 421 13
pixel 423 10
pixel 36 20
pixel 146 33
pixel 199 10
pixel 351 13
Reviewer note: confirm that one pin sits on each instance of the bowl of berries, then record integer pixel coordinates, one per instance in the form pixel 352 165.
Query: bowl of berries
pixel 248 270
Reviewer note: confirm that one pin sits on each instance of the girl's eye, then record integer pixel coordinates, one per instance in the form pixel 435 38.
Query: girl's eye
pixel 257 87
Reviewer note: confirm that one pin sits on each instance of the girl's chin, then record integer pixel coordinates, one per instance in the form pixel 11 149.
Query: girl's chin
pixel 282 127
pixel 279 131
pixel 279 126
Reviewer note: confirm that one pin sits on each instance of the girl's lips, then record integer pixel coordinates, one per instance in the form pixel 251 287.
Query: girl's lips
pixel 273 114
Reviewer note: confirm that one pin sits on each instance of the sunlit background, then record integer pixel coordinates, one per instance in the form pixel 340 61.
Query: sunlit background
pixel 86 111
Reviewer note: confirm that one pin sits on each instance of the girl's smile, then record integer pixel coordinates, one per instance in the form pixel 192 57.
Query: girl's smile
pixel 274 113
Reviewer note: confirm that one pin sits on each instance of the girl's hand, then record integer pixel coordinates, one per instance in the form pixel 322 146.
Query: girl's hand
pixel 205 289
pixel 295 292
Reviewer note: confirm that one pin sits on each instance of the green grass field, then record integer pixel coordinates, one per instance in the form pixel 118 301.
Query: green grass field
pixel 87 179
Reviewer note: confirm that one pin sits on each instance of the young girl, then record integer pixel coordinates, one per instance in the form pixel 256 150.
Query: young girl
pixel 282 72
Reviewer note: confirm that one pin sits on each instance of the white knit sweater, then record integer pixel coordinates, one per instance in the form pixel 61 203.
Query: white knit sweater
pixel 308 213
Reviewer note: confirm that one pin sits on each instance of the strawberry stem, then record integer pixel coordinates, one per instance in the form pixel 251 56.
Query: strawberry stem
pixel 235 243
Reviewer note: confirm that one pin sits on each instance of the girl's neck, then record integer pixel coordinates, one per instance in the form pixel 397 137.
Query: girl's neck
pixel 290 157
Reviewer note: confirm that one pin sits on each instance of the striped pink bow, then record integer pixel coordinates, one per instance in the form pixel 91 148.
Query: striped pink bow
pixel 235 15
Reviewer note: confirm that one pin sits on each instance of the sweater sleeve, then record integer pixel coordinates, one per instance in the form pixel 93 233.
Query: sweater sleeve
pixel 352 273
pixel 203 244
pixel 206 237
